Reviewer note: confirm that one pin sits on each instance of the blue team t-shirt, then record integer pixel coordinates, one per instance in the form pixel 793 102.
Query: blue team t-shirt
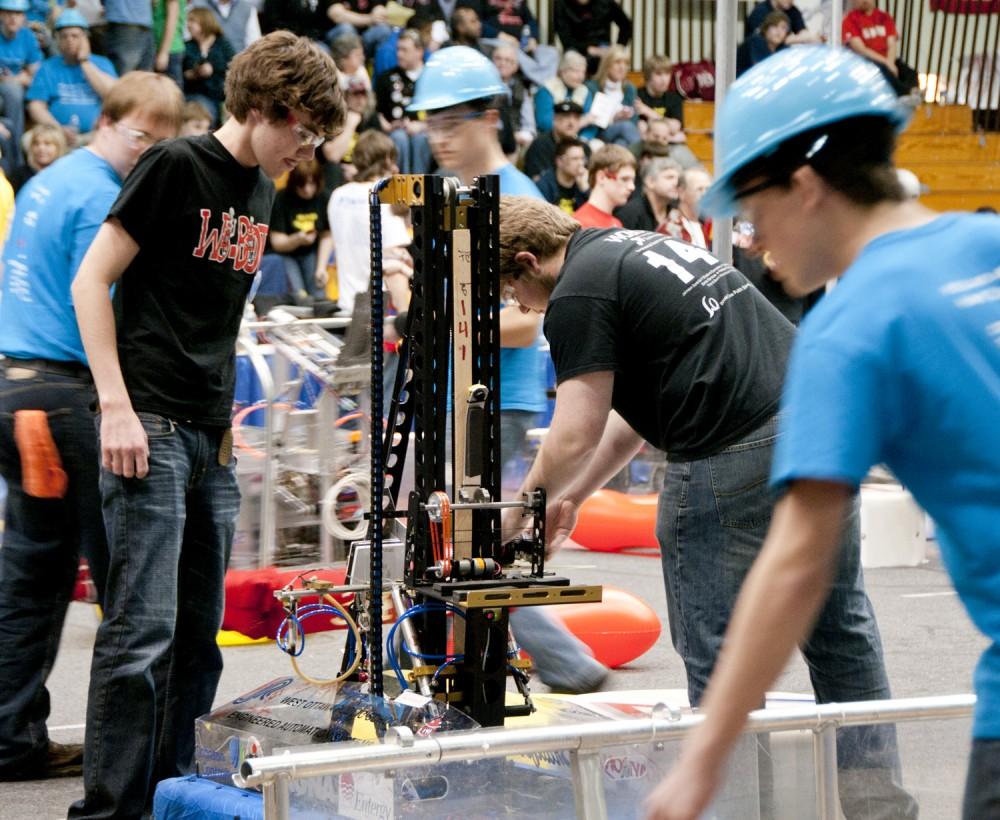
pixel 900 364
pixel 58 212
pixel 522 369
pixel 67 91
pixel 19 51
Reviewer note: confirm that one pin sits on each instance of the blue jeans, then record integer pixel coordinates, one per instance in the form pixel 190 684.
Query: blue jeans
pixel 712 518
pixel 42 544
pixel 175 70
pixel 623 132
pixel 982 785
pixel 130 47
pixel 12 97
pixel 156 662
pixel 414 151
pixel 560 659
pixel 301 273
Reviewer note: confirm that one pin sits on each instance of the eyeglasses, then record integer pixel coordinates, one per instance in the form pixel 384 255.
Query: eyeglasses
pixel 783 178
pixel 447 125
pixel 135 136
pixel 306 138
pixel 756 189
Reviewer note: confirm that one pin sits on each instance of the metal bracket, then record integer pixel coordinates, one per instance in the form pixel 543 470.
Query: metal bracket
pixel 528 596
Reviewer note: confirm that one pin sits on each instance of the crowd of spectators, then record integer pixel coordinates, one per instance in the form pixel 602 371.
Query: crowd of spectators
pixel 564 111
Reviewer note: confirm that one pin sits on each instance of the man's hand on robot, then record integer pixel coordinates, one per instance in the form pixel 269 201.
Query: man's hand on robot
pixel 560 519
pixel 513 524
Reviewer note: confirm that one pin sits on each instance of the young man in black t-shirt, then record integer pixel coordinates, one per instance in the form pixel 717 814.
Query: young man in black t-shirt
pixel 181 245
pixel 656 100
pixel 566 185
pixel 656 339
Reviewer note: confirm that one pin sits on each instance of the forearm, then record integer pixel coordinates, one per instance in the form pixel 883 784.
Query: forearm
pixel 95 316
pixel 859 47
pixel 109 254
pixel 169 27
pixel 40 114
pixel 892 51
pixel 98 80
pixel 617 447
pixel 283 242
pixel 323 251
pixel 583 404
pixel 561 458
pixel 339 14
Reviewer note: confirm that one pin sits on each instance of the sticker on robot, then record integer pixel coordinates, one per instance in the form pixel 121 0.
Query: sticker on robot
pixel 366 795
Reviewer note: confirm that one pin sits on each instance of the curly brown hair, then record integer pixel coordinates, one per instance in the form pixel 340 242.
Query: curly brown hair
pixel 282 72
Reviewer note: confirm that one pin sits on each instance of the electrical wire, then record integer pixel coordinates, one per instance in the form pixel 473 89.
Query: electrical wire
pixel 390 650
pixel 331 607
pixel 359 482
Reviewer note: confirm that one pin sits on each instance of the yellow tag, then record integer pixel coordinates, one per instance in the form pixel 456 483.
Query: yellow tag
pixel 363 728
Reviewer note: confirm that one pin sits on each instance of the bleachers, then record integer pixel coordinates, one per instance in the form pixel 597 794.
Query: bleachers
pixel 960 167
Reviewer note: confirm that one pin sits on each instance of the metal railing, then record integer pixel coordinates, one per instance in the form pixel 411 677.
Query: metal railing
pixel 584 741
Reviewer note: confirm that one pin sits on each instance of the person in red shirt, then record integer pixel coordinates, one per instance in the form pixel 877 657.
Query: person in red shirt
pixel 612 181
pixel 871 33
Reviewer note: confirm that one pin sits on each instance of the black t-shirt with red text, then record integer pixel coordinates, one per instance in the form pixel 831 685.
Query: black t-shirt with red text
pixel 201 222
pixel 697 352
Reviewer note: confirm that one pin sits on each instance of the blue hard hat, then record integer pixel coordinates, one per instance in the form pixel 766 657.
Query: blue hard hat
pixel 796 90
pixel 453 76
pixel 13 5
pixel 71 18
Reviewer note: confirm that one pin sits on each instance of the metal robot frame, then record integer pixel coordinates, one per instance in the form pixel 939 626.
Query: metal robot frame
pixel 449 559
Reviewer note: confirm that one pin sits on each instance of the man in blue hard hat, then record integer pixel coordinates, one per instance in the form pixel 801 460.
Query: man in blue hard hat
pixel 461 92
pixel 68 89
pixel 20 57
pixel 899 364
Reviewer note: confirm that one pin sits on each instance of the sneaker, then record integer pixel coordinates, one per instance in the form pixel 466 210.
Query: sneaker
pixel 593 682
pixel 61 760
